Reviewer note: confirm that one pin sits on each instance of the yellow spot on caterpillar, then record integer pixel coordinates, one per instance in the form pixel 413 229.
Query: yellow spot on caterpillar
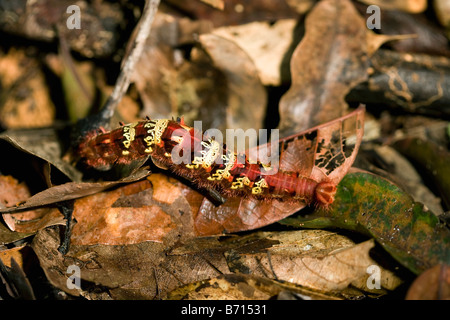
pixel 129 134
pixel 240 182
pixel 196 163
pixel 210 154
pixel 155 131
pixel 259 185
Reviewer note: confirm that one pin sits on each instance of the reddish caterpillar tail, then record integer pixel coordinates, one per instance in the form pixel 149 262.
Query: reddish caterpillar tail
pixel 206 162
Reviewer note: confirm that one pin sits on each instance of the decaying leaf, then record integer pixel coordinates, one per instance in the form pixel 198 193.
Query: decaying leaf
pixel 70 191
pixel 315 264
pixel 315 259
pixel 11 193
pixel 266 44
pixel 330 59
pixel 122 216
pixel 432 284
pixel 218 85
pixel 243 287
pixel 25 100
pixel 374 206
pixel 133 271
pixel 246 95
pixel 45 144
pixel 17 284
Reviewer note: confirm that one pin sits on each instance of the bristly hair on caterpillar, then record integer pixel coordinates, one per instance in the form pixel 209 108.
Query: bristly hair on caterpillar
pixel 212 165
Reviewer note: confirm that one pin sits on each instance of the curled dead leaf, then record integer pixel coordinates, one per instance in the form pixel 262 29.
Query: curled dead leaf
pixel 331 58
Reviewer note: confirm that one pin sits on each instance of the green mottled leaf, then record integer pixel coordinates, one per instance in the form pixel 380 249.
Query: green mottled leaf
pixel 374 206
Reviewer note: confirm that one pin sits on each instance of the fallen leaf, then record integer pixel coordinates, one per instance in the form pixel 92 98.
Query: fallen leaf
pixel 44 144
pixel 316 259
pixel 412 235
pixel 13 192
pixel 267 45
pixel 330 59
pixel 119 217
pixel 242 287
pixel 133 271
pixel 16 282
pixel 247 97
pixel 70 191
pixel 25 97
pixel 151 270
pixel 432 284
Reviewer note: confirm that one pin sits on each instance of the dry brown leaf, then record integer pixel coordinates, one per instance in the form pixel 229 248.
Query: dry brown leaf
pixel 170 85
pixel 331 59
pixel 15 253
pixel 134 271
pixel 247 97
pixel 432 284
pixel 266 44
pixel 312 258
pixel 11 193
pixel 70 191
pixel 242 287
pixel 26 101
pixel 44 144
pixel 150 210
pixel 121 216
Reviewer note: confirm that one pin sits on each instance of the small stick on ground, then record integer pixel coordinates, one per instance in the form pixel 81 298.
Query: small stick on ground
pixel 136 46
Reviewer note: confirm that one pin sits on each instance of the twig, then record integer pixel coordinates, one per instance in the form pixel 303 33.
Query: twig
pixel 66 208
pixel 103 118
pixel 123 81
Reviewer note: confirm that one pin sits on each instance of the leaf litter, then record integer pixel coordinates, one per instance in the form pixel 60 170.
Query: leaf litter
pixel 146 235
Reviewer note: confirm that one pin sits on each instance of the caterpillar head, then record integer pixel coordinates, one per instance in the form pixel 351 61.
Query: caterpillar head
pixel 325 192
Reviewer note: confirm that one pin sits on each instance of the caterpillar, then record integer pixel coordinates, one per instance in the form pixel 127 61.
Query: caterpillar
pixel 213 166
